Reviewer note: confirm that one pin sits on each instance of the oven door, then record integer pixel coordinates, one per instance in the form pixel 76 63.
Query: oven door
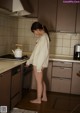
pixel 27 78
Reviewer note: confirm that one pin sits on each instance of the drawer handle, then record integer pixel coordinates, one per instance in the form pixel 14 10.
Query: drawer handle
pixel 64 68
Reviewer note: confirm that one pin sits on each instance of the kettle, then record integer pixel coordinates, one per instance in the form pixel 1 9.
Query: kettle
pixel 17 52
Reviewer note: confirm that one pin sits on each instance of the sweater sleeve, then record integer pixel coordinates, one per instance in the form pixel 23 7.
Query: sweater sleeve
pixel 30 59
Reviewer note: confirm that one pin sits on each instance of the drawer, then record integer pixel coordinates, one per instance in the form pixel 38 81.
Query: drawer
pixel 64 72
pixel 61 85
pixel 63 64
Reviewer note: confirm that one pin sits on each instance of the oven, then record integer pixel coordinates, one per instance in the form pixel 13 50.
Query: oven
pixel 27 78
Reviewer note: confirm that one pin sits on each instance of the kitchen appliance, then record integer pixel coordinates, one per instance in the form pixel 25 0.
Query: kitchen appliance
pixel 18 8
pixel 77 52
pixel 18 51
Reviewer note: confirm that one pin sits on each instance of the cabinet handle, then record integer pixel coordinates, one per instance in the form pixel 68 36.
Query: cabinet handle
pixel 64 67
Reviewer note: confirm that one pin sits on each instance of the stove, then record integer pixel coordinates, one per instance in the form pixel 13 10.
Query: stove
pixel 11 56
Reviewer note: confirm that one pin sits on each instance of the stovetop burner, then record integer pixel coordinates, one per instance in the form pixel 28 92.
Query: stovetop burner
pixel 11 56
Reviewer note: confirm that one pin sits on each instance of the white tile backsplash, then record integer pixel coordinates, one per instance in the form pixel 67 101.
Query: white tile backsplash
pixel 18 30
pixel 59 42
pixel 8 33
pixel 66 43
pixel 65 51
pixel 73 42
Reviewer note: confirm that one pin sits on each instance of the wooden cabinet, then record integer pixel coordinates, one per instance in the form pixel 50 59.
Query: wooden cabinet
pixel 34 8
pixel 27 77
pixel 75 87
pixel 47 13
pixel 5 83
pixel 66 17
pixel 61 85
pixel 61 77
pixel 78 19
pixel 6 4
pixel 16 82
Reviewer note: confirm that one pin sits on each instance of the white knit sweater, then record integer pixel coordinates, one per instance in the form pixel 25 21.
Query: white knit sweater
pixel 40 54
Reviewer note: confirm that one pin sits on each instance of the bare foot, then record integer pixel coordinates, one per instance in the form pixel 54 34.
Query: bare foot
pixel 44 99
pixel 36 101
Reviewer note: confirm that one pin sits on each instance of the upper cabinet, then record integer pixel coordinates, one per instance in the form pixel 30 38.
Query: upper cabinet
pixel 6 4
pixel 66 17
pixel 47 13
pixel 54 14
pixel 78 19
pixel 34 6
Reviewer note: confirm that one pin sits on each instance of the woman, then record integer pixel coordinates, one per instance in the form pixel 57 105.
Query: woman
pixel 39 59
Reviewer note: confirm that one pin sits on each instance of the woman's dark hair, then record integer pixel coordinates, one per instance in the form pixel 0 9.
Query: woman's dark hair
pixel 37 25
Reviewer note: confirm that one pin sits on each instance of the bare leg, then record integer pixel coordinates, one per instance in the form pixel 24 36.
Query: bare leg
pixel 44 96
pixel 39 77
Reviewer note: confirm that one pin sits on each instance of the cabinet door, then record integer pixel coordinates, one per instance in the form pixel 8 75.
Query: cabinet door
pixel 61 85
pixel 16 88
pixel 78 19
pixel 33 4
pixel 75 87
pixel 5 83
pixel 47 13
pixel 6 4
pixel 63 72
pixel 16 84
pixel 66 16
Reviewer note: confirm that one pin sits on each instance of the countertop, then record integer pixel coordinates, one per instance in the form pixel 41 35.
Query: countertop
pixel 53 57
pixel 6 64
pixel 63 58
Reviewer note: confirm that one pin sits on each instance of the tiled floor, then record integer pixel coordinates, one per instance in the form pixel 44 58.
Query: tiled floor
pixel 57 103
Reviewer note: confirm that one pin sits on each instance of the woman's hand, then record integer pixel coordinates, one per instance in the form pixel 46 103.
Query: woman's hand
pixel 27 65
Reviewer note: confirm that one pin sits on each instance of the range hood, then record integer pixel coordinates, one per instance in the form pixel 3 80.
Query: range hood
pixel 18 8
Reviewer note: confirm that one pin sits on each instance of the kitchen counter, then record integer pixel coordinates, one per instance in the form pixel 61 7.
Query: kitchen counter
pixel 53 57
pixel 63 58
pixel 7 64
pixel 11 81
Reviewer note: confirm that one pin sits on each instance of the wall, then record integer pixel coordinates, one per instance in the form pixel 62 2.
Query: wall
pixel 61 43
pixel 18 30
pixel 25 36
pixel 8 33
